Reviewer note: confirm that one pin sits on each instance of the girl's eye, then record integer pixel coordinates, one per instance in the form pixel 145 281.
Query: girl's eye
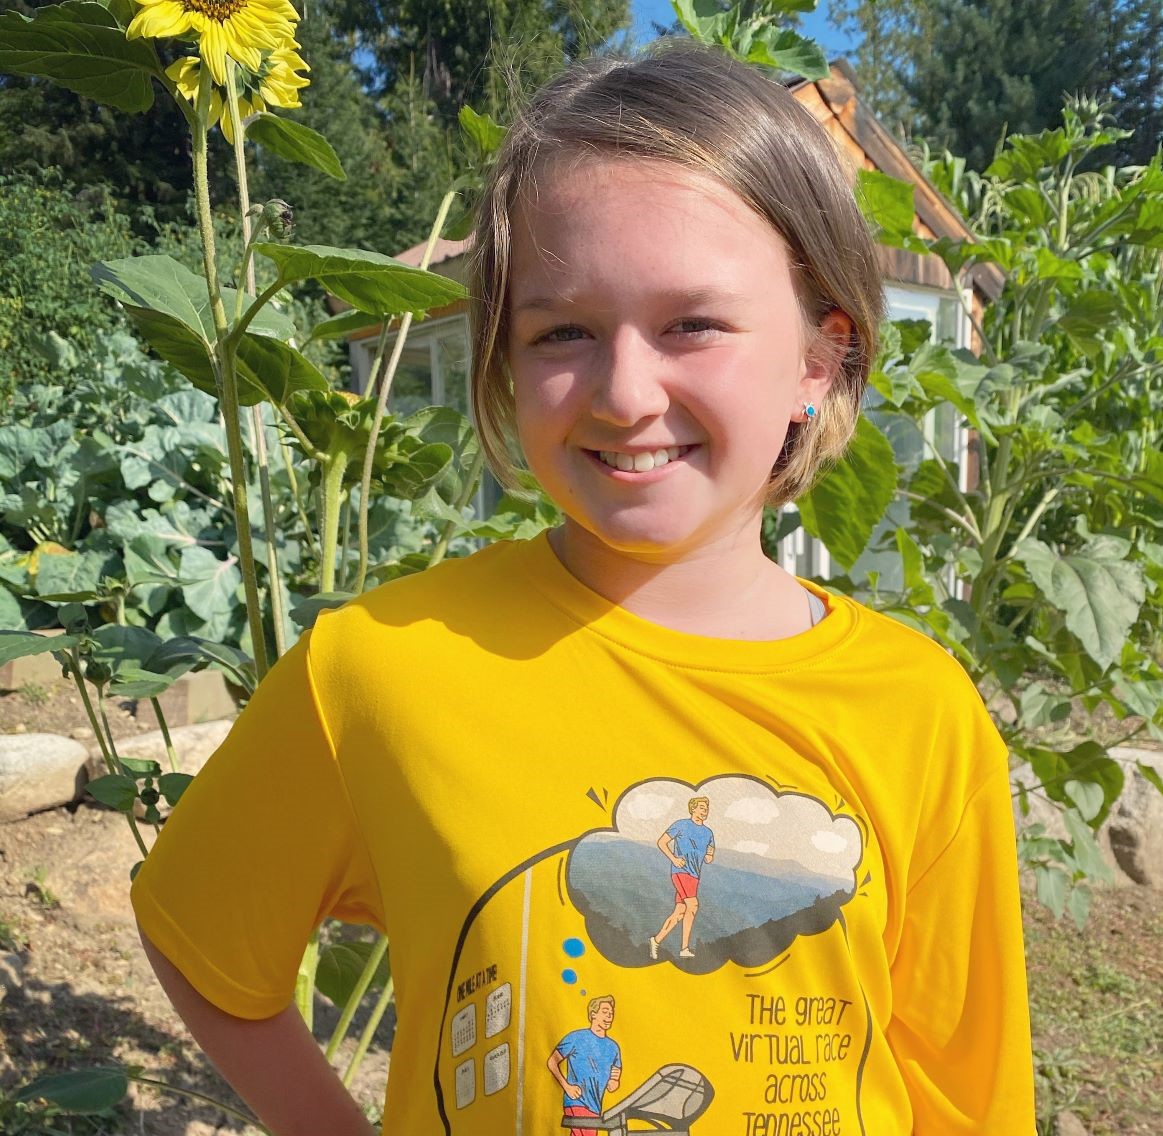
pixel 566 334
pixel 695 326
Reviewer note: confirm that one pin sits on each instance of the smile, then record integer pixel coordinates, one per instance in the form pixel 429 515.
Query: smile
pixel 643 461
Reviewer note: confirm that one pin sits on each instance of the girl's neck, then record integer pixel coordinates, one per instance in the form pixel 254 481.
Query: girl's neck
pixel 725 590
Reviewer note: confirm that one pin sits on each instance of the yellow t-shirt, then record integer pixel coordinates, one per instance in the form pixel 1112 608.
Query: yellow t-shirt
pixel 502 771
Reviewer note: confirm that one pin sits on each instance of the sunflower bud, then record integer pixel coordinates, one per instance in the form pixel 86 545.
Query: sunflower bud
pixel 278 217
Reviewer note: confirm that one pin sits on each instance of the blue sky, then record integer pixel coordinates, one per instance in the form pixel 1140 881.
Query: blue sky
pixel 815 24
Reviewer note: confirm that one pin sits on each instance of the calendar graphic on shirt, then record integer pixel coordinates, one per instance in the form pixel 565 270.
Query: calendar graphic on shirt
pixel 464 1030
pixel 498 1010
pixel 496 1069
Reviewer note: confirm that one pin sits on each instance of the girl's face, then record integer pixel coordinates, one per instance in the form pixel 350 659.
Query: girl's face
pixel 657 353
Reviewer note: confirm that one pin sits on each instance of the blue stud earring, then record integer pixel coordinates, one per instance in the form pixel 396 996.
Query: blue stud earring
pixel 809 410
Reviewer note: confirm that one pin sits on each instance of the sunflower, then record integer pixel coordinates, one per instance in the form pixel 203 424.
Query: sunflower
pixel 242 29
pixel 273 83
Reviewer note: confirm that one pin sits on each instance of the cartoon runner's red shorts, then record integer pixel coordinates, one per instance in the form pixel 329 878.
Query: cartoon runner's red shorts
pixel 686 886
pixel 581 1110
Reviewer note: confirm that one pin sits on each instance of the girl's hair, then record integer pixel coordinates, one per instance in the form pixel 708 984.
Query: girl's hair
pixel 699 109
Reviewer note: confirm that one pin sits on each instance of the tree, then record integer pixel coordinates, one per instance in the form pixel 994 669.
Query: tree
pixel 962 73
pixel 394 155
pixel 463 55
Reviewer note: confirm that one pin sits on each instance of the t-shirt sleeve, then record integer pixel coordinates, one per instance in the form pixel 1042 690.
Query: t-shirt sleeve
pixel 960 1027
pixel 263 845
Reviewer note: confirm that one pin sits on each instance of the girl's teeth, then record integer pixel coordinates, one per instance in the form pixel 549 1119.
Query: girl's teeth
pixel 642 462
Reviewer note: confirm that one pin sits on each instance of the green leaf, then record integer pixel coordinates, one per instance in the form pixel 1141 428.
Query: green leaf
pixel 305 612
pixel 20 644
pixel 1087 319
pixel 1098 589
pixel 296 143
pixel 787 50
pixel 370 281
pixel 482 129
pixel 845 507
pixel 141 767
pixel 115 790
pixel 82 1091
pixel 418 471
pixel 1087 797
pixel 1086 852
pixel 209 585
pixel 340 966
pixel 277 369
pixel 1052 885
pixel 170 308
pixel 886 202
pixel 1079 905
pixel 80 46
pixel 64 576
pixel 133 682
pixel 343 325
pixel 173 785
pixel 1151 774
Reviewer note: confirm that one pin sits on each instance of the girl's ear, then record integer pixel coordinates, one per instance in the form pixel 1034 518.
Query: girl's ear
pixel 825 354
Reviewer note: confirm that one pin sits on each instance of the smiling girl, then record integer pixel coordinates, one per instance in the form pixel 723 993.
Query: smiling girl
pixel 676 303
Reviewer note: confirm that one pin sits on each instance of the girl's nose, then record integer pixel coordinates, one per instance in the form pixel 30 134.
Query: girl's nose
pixel 629 383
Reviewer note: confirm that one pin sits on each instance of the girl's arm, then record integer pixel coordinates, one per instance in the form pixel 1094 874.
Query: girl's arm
pixel 275 1064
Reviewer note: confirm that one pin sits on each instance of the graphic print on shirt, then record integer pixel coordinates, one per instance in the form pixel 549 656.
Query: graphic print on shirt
pixel 707 920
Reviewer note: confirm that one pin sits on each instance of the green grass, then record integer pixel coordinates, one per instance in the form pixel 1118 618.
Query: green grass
pixel 1097 1013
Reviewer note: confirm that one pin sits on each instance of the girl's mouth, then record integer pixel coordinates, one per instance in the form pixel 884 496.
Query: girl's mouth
pixel 642 461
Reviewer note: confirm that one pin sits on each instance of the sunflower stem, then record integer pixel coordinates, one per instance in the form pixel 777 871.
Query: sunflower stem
pixel 226 380
pixel 257 418
pixel 369 457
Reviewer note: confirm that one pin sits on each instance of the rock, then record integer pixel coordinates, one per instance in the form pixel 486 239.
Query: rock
pixel 1136 821
pixel 38 771
pixel 1067 1124
pixel 1131 838
pixel 192 744
pixel 11 973
pixel 81 734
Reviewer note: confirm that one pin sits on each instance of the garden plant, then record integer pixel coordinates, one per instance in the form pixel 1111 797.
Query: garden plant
pixel 196 512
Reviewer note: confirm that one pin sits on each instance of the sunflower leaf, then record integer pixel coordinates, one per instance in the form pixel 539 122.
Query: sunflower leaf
pixel 170 308
pixel 79 45
pixel 370 281
pixel 296 143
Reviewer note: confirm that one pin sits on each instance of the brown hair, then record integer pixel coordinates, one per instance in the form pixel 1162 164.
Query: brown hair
pixel 699 109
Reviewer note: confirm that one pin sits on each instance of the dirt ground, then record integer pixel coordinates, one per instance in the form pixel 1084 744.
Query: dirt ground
pixel 88 998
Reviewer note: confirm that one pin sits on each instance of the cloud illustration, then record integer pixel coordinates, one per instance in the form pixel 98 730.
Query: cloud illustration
pixel 783 865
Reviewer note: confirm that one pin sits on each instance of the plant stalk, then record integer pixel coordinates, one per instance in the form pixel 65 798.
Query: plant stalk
pixel 369 1031
pixel 334 468
pixel 357 993
pixel 369 458
pixel 193 1094
pixel 227 382
pixel 165 729
pixel 257 417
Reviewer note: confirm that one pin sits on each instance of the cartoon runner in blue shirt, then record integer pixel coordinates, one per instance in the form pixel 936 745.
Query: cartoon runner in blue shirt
pixel 688 845
pixel 594 1064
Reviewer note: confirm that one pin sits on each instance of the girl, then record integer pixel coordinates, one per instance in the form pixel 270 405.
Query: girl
pixel 676 306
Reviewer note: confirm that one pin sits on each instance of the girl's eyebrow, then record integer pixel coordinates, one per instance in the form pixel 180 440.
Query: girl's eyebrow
pixel 678 297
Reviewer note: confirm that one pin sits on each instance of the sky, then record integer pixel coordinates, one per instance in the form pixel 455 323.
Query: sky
pixel 815 24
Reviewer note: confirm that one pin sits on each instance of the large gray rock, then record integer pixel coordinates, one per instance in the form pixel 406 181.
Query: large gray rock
pixel 1131 838
pixel 1135 826
pixel 38 771
pixel 192 744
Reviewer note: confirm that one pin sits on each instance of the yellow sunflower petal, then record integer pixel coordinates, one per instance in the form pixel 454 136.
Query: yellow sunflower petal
pixel 160 21
pixel 212 48
pixel 249 57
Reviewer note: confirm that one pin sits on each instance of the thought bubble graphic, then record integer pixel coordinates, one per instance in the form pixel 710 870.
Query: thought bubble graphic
pixel 781 865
